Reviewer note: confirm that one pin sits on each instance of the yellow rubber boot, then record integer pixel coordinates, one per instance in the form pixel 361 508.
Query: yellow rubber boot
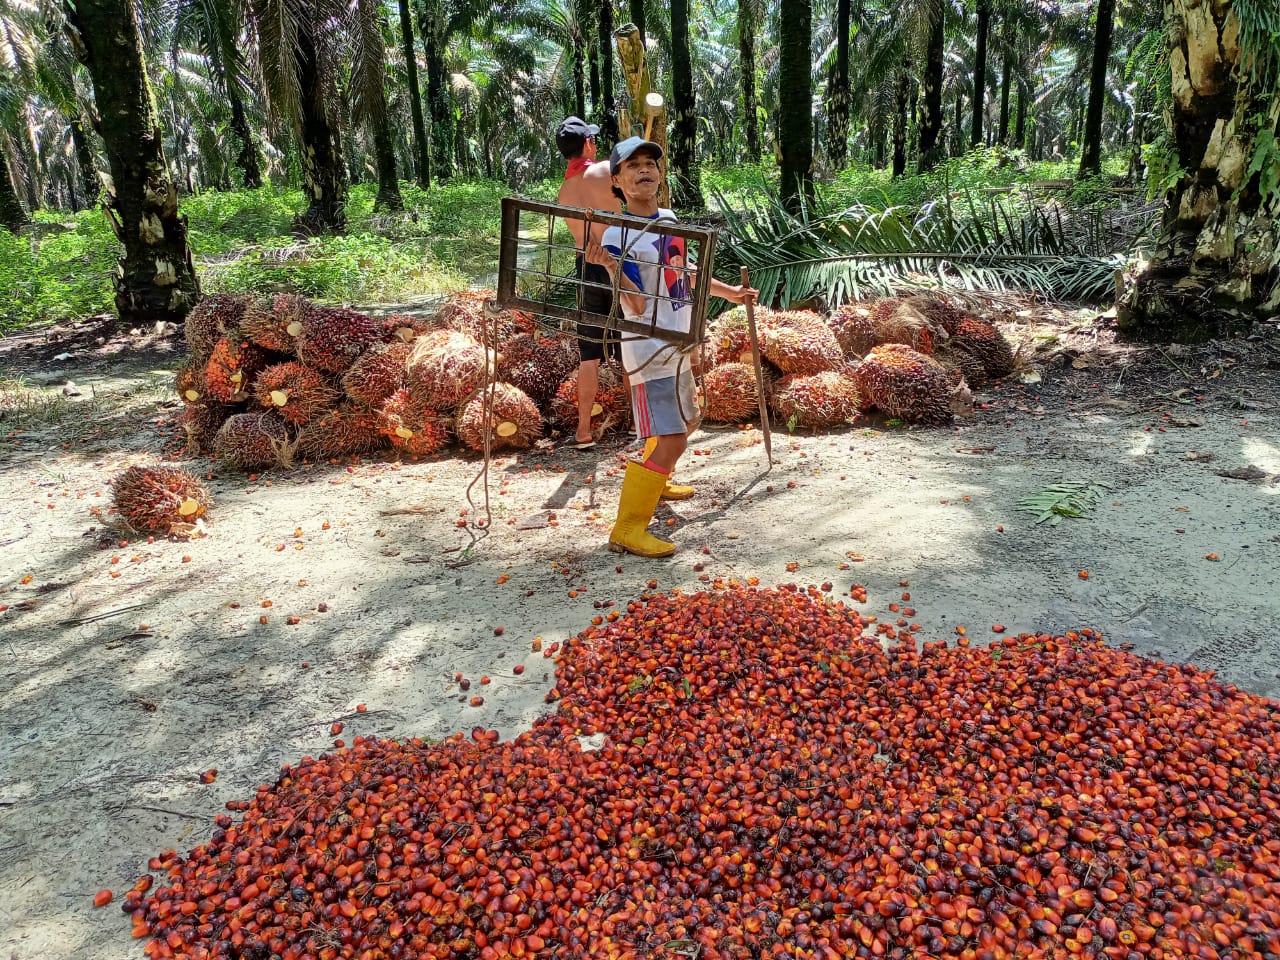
pixel 670 491
pixel 640 491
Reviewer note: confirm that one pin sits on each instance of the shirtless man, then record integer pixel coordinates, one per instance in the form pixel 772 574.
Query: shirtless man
pixel 589 185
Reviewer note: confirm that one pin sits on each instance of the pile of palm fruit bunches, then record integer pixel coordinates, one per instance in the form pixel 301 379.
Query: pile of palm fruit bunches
pixel 272 380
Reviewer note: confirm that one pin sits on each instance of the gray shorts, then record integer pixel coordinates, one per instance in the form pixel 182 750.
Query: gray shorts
pixel 665 406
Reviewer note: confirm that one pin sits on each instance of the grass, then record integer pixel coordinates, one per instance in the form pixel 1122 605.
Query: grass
pixel 445 240
pixel 96 415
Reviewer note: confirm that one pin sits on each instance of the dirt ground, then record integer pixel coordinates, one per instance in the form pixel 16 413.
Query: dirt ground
pixel 130 669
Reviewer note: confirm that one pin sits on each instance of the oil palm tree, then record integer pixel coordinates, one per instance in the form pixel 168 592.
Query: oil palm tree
pixel 750 15
pixel 795 101
pixel 369 84
pixel 156 279
pixel 422 146
pixel 1091 145
pixel 684 160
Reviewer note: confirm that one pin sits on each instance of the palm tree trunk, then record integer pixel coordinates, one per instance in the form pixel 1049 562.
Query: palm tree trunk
pixel 438 98
pixel 155 279
pixel 607 110
pixel 903 99
pixel 90 182
pixel 579 54
pixel 637 17
pixel 422 146
pixel 838 95
pixel 388 196
pixel 1214 269
pixel 1091 154
pixel 1006 73
pixel 247 156
pixel 980 73
pixel 324 172
pixel 1020 118
pixel 747 64
pixel 12 213
pixel 795 100
pixel 931 128
pixel 684 129
pixel 593 52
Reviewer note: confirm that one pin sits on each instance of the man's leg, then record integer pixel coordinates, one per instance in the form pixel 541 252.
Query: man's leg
pixel 588 384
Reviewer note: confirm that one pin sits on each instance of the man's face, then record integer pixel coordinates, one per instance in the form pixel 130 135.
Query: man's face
pixel 638 176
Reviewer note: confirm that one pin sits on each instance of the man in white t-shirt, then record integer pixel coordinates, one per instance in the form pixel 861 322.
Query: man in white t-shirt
pixel 653 286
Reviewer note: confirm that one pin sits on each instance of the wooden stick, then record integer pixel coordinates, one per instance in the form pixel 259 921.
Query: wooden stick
pixel 755 361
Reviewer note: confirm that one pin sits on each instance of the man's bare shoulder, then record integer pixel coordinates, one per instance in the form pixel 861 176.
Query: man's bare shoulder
pixel 597 185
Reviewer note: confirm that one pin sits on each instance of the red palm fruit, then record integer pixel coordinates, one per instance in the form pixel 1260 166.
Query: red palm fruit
pixel 201 421
pixel 275 322
pixel 799 341
pixel 343 431
pixel 731 393
pixel 154 499
pixel 445 367
pixel 537 365
pixel 984 341
pixel 189 381
pixel 413 426
pixel 232 365
pixel 610 406
pixel 514 421
pixel 855 329
pixel 213 318
pixel 903 383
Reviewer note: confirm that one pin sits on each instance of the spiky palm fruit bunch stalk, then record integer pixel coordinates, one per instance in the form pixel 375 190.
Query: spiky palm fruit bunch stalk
pixel 378 373
pixel 941 313
pixel 344 431
pixel 856 330
pixel 332 338
pixel 155 499
pixel 249 440
pixel 908 325
pixel 728 339
pixel 413 426
pixel 189 381
pixel 514 421
pixel 274 323
pixel 904 383
pixel 297 392
pixel 201 422
pixel 962 364
pixel 609 408
pixel 446 367
pixel 730 393
pixel 229 373
pixel 402 328
pixel 213 318
pixel 982 340
pixel 464 312
pixel 816 401
pixel 537 365
pixel 799 341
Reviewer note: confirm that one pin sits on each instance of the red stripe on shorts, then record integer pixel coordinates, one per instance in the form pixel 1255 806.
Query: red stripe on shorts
pixel 641 405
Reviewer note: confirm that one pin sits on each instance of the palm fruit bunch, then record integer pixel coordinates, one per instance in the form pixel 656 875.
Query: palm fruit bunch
pixel 904 383
pixel 250 440
pixel 465 313
pixel 537 365
pixel 297 391
pixel 728 338
pixel 412 425
pixel 940 312
pixel 344 431
pixel 609 408
pixel 201 421
pixel 856 330
pixel 333 337
pixel 213 318
pixel 445 367
pixel 378 373
pixel 962 365
pixel 906 324
pixel 156 499
pixel 402 328
pixel 816 401
pixel 730 393
pixel 229 372
pixel 513 419
pixel 274 323
pixel 189 381
pixel 980 339
pixel 799 341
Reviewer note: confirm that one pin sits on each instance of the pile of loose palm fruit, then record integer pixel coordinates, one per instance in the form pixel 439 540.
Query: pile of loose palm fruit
pixel 276 379
pixel 777 779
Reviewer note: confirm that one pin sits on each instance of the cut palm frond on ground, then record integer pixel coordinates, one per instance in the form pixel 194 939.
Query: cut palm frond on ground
pixel 1071 498
pixel 965 244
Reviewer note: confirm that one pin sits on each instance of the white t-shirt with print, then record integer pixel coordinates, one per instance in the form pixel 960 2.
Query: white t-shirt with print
pixel 647 257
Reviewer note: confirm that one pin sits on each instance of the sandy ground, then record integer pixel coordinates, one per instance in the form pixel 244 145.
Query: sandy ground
pixel 121 690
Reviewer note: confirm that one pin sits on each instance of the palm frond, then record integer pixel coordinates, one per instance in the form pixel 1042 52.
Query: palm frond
pixel 970 244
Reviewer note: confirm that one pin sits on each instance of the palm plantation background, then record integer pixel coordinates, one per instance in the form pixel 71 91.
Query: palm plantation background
pixel 355 150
